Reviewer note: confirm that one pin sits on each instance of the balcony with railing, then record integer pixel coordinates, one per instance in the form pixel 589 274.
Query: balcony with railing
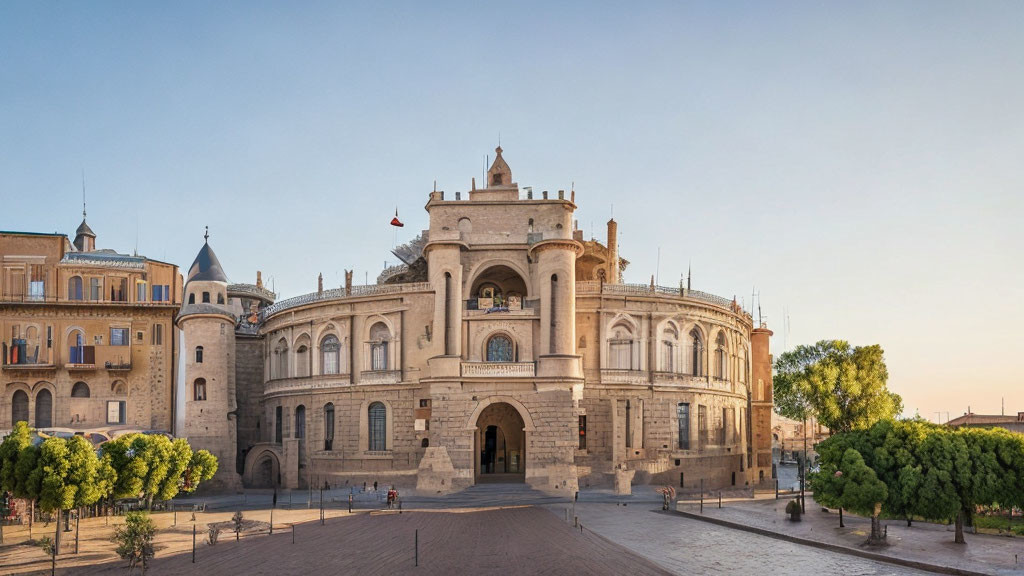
pixel 380 377
pixel 307 384
pixel 498 369
pixel 621 376
pixel 512 308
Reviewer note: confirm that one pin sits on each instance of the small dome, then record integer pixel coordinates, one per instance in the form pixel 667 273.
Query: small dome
pixel 83 229
pixel 206 267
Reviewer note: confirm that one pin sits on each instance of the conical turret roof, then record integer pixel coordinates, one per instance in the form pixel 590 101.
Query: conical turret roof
pixel 206 267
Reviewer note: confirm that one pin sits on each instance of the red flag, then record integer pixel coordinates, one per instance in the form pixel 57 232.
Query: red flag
pixel 395 221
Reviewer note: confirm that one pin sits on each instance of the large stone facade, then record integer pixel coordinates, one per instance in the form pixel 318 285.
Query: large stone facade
pixel 88 336
pixel 510 352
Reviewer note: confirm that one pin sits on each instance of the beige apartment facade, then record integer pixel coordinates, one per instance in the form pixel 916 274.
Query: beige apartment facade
pixel 88 335
pixel 505 349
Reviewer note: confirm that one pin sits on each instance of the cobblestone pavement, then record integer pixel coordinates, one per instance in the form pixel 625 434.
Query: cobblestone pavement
pixel 924 542
pixel 686 546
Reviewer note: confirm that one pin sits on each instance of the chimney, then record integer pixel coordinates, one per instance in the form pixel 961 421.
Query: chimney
pixel 259 279
pixel 613 252
pixel 348 282
pixel 320 283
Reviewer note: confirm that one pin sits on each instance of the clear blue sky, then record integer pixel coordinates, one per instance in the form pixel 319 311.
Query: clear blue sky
pixel 859 163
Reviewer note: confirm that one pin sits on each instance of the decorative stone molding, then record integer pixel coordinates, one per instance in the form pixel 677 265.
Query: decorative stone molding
pixel 499 369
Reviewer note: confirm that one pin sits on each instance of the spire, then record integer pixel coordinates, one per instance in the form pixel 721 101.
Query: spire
pixel 85 238
pixel 206 236
pixel 499 174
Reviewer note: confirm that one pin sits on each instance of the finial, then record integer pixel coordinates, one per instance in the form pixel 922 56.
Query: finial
pixel 206 236
pixel 498 149
pixel 83 193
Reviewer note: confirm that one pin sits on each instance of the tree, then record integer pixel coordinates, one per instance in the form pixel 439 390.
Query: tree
pixel 154 467
pixel 134 540
pixel 843 386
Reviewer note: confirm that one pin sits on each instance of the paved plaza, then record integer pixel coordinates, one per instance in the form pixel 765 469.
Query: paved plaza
pixel 496 528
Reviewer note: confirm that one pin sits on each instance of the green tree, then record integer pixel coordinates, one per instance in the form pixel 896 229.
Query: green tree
pixel 153 467
pixel 843 386
pixel 862 491
pixel 134 540
pixel 201 468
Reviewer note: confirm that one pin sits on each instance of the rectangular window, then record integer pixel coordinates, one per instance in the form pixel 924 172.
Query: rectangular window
pixel 683 421
pixel 36 282
pixel 116 412
pixel 583 433
pixel 702 426
pixel 95 288
pixel 161 293
pixel 723 433
pixel 278 417
pixel 629 426
pixel 140 292
pixel 157 339
pixel 119 336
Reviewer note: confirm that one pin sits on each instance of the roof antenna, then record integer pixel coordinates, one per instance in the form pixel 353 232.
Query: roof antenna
pixel 83 193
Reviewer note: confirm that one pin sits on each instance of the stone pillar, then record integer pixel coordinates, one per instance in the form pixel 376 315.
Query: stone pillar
pixel 761 403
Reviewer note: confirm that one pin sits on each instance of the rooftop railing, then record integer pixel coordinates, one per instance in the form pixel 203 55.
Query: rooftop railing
pixel 595 287
pixel 340 293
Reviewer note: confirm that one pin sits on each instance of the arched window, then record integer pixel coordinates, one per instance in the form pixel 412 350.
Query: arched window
pixel 378 415
pixel 330 354
pixel 199 354
pixel 300 421
pixel 80 390
pixel 199 389
pixel 696 353
pixel 192 298
pixel 220 298
pixel 281 359
pixel 76 348
pixel 206 297
pixel 75 288
pixel 620 348
pixel 302 361
pixel 743 364
pixel 379 337
pixel 44 409
pixel 721 369
pixel 329 426
pixel 669 349
pixel 119 388
pixel 499 349
pixel 19 407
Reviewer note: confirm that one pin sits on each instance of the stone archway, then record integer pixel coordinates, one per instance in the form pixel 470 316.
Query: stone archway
pixel 262 468
pixel 499 444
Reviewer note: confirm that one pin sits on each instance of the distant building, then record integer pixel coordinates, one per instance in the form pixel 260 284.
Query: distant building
pixel 506 348
pixel 971 420
pixel 88 335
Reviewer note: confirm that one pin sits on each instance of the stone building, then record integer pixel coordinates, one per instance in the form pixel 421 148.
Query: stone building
pixel 506 348
pixel 88 335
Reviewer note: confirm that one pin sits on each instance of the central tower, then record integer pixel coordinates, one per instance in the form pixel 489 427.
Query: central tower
pixel 503 269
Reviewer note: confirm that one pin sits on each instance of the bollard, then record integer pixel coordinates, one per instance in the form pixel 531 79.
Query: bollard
pixel 719 499
pixel 776 488
pixel 417 545
pixel 271 521
pixel 293 533
pixel 193 543
pixel 175 509
pixel 350 503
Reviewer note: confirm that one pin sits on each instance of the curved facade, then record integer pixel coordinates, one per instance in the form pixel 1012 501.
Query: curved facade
pixel 517 357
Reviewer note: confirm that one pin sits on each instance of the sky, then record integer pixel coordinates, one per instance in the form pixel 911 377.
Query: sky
pixel 856 164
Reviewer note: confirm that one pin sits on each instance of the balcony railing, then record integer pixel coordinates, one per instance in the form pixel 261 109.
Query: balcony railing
pixel 595 287
pixel 380 377
pixel 617 376
pixel 499 369
pixel 340 293
pixel 307 383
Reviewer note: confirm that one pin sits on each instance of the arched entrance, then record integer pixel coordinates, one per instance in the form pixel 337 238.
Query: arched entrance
pixel 262 468
pixel 500 440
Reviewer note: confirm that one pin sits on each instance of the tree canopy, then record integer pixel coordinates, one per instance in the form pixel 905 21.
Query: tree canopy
pixel 843 386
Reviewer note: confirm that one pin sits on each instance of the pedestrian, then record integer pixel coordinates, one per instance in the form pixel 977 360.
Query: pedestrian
pixel 275 497
pixel 364 486
pixel 374 485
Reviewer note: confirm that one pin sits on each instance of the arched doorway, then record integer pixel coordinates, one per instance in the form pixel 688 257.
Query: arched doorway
pixel 44 409
pixel 500 439
pixel 266 473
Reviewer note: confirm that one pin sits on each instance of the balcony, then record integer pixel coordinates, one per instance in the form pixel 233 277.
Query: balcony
pixel 617 376
pixel 30 366
pixel 380 377
pixel 114 358
pixel 498 369
pixel 307 384
pixel 476 307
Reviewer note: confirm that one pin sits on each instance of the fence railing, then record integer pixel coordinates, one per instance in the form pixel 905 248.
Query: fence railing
pixel 595 287
pixel 340 293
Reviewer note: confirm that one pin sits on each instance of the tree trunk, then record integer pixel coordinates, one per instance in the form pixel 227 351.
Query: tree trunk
pixel 56 535
pixel 959 536
pixel 908 521
pixel 877 537
pixel 841 525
